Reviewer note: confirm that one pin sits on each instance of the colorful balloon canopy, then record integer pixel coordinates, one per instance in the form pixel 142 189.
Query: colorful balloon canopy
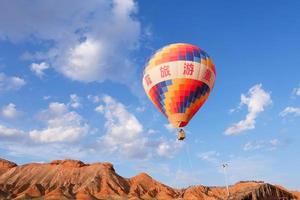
pixel 178 79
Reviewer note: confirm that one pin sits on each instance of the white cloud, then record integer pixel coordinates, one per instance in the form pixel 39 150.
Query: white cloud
pixel 122 128
pixel 74 101
pixel 52 141
pixel 39 68
pixel 10 82
pixel 252 146
pixel 170 128
pixel 125 134
pixel 256 101
pixel 268 145
pixel 290 111
pixel 166 148
pixel 94 98
pixel 296 91
pixel 14 141
pixel 46 97
pixel 274 142
pixel 232 110
pixel 152 131
pixel 62 125
pixel 90 41
pixel 210 156
pixel 140 109
pixel 120 121
pixel 100 109
pixel 57 108
pixel 10 111
pixel 83 61
pixel 52 151
pixel 10 132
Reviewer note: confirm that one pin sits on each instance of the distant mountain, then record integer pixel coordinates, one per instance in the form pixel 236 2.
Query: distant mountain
pixel 72 179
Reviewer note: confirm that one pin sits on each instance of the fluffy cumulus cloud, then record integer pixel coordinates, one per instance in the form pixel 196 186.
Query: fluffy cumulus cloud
pixel 120 124
pixel 54 139
pixel 168 148
pixel 125 134
pixel 84 58
pixel 123 130
pixel 10 111
pixel 88 40
pixel 10 82
pixel 39 68
pixel 62 125
pixel 6 132
pixel 290 111
pixel 256 100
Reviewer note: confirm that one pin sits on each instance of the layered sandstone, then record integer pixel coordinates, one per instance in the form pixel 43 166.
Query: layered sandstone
pixel 73 179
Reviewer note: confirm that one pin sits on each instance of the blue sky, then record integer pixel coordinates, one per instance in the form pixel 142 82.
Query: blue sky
pixel 70 87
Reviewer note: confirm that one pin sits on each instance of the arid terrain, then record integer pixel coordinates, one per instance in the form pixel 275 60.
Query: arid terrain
pixel 72 179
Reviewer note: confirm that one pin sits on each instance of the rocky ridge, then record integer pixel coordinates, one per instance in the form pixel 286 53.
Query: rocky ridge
pixel 73 179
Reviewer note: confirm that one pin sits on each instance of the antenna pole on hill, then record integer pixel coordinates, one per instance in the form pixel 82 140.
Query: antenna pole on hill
pixel 224 166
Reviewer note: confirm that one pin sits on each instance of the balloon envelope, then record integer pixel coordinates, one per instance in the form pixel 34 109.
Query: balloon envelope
pixel 178 79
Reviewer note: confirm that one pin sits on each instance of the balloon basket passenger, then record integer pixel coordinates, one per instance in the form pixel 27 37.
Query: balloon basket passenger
pixel 181 135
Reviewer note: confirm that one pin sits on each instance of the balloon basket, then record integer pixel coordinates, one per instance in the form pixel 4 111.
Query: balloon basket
pixel 181 135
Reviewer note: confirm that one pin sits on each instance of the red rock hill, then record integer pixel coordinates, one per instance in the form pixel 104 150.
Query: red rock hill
pixel 72 179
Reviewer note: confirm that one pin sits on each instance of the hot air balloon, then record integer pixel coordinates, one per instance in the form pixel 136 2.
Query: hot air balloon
pixel 178 79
